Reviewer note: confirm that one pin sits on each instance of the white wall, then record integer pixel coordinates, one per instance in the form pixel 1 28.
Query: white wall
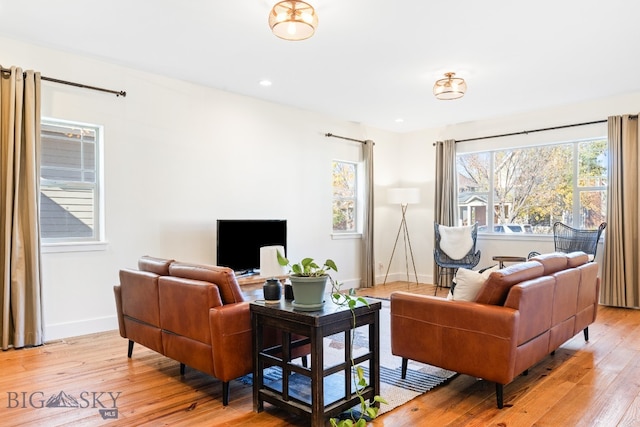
pixel 177 157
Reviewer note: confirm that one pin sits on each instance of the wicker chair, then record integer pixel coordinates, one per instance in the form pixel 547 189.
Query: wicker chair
pixel 447 265
pixel 568 239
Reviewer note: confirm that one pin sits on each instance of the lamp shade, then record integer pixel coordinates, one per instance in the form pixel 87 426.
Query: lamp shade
pixel 450 87
pixel 269 266
pixel 403 196
pixel 293 20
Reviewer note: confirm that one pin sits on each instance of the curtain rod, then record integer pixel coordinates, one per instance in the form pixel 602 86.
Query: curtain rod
pixel 64 82
pixel 330 135
pixel 525 132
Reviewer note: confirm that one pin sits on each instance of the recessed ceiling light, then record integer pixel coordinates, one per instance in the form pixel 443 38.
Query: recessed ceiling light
pixel 265 83
pixel 399 120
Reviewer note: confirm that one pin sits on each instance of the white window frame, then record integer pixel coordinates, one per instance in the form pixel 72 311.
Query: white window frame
pixel 97 241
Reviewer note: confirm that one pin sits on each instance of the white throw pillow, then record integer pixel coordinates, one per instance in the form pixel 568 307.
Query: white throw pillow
pixel 469 282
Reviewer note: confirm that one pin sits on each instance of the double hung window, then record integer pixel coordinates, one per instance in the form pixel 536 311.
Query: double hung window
pixel 69 182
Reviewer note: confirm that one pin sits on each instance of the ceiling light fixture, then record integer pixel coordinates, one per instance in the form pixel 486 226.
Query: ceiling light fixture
pixel 450 87
pixel 293 20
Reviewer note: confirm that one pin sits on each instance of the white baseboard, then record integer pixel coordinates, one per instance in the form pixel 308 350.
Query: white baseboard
pixel 402 277
pixel 59 331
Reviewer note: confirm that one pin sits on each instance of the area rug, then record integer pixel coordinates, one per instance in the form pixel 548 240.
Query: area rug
pixel 395 390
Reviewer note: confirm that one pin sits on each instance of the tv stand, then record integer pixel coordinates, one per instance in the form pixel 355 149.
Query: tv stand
pixel 246 273
pixel 255 282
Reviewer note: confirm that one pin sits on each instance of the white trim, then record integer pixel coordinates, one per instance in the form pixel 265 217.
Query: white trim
pixel 83 327
pixel 523 237
pixel 47 248
pixel 345 236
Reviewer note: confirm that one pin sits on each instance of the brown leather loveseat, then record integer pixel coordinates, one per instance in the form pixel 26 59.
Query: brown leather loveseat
pixel 194 314
pixel 521 314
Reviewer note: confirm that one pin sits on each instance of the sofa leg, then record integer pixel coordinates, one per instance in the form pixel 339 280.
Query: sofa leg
pixel 182 368
pixel 525 372
pixel 405 363
pixel 585 331
pixel 130 350
pixel 499 398
pixel 225 393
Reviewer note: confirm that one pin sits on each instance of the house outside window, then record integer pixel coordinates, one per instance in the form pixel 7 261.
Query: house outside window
pixel 69 182
pixel 345 197
pixel 526 190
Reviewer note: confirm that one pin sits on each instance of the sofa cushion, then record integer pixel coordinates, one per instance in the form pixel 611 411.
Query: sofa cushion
pixel 469 282
pixel 184 306
pixel 139 293
pixel 552 262
pixel 495 289
pixel 159 266
pixel 223 277
pixel 575 259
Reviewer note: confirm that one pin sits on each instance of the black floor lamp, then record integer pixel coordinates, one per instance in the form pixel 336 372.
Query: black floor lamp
pixel 403 197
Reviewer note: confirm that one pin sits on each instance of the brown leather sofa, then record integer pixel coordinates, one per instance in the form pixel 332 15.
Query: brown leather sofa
pixel 521 314
pixel 194 314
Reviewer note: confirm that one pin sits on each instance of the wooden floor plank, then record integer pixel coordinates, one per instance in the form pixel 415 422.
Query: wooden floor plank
pixel 584 383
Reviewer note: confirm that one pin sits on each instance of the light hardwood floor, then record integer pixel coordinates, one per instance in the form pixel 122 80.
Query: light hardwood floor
pixel 594 383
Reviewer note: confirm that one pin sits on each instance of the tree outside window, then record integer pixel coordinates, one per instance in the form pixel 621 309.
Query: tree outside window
pixel 534 187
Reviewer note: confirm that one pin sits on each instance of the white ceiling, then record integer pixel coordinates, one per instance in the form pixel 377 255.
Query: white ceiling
pixel 370 61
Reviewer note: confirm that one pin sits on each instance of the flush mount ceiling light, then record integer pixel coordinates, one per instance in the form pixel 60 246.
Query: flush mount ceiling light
pixel 450 87
pixel 293 20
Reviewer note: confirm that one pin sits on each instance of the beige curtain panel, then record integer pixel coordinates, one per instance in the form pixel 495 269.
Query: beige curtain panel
pixel 621 259
pixel 446 190
pixel 20 277
pixel 368 264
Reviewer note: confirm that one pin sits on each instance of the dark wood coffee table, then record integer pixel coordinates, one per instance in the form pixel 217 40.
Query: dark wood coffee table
pixel 322 403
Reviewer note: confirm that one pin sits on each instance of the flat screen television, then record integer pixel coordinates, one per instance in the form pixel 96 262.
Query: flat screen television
pixel 239 241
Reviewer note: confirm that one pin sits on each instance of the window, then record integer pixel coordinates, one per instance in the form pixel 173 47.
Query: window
pixel 69 182
pixel 345 197
pixel 526 190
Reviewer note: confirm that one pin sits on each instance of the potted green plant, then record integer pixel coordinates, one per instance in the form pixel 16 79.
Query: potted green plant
pixel 309 281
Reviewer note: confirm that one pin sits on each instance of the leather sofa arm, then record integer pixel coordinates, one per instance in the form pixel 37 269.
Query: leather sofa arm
pixel 117 291
pixel 231 340
pixel 466 337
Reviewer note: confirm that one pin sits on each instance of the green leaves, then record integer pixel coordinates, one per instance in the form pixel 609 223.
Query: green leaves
pixel 282 260
pixel 330 264
pixel 362 381
pixel 372 412
pixel 380 399
pixel 307 267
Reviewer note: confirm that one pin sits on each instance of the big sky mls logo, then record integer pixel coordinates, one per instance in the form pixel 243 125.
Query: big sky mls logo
pixel 104 401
